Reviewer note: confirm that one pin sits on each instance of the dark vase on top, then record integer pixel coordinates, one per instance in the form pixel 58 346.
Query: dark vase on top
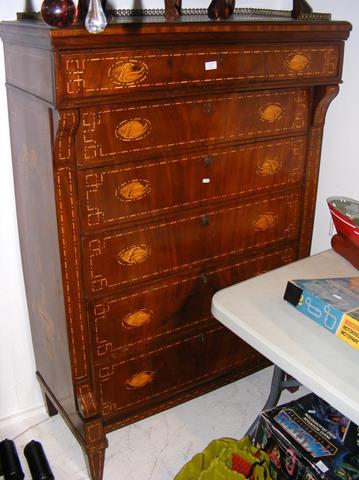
pixel 58 13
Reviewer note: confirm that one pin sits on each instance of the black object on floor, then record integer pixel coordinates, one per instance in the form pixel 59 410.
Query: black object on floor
pixel 37 461
pixel 10 465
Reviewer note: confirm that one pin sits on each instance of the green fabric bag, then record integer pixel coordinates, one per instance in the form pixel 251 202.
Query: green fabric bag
pixel 215 462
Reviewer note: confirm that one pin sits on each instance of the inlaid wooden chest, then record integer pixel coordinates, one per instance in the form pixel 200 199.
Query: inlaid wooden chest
pixel 155 164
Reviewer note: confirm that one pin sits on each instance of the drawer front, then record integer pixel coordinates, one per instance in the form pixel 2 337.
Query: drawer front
pixel 129 324
pixel 107 73
pixel 118 194
pixel 161 373
pixel 117 259
pixel 116 133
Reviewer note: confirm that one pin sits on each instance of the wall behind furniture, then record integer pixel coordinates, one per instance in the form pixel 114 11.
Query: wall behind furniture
pixel 339 176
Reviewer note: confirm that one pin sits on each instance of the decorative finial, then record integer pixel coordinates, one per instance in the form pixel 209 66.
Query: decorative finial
pixel 172 9
pixel 300 8
pixel 221 9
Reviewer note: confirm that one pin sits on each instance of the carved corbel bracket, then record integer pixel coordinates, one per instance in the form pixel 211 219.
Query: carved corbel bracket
pixel 65 126
pixel 86 402
pixel 221 9
pixel 323 97
pixel 173 9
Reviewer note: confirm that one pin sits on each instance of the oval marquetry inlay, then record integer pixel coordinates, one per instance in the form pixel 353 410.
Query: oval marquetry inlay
pixel 297 62
pixel 140 380
pixel 134 129
pixel 268 166
pixel 134 254
pixel 265 222
pixel 133 190
pixel 128 73
pixel 137 319
pixel 271 112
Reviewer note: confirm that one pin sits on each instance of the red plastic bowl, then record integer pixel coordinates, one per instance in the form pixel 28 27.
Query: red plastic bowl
pixel 345 215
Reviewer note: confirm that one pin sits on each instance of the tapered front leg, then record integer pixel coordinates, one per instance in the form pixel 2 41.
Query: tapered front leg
pixel 95 460
pixel 94 441
pixel 94 448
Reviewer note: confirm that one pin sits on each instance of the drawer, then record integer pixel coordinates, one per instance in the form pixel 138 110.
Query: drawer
pixel 123 132
pixel 116 259
pixel 129 323
pixel 121 194
pixel 103 73
pixel 161 373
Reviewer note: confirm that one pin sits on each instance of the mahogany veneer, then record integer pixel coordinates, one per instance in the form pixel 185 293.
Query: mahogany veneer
pixel 155 164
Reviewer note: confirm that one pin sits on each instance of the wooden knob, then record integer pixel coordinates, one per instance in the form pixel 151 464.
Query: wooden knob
pixel 204 278
pixel 208 161
pixel 205 220
pixel 208 107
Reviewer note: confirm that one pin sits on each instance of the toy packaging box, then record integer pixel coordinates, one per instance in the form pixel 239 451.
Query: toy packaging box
pixel 331 302
pixel 309 440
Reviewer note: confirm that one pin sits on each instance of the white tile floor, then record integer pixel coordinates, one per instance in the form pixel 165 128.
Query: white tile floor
pixel 154 448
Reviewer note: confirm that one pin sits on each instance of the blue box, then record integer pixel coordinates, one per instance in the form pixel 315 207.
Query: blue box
pixel 333 303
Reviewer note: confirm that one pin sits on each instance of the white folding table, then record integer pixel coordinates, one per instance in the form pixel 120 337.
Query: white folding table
pixel 256 312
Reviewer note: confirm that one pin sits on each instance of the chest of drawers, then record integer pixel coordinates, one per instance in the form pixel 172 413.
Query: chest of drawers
pixel 155 164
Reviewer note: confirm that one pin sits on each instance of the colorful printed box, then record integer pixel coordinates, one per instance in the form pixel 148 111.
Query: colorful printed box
pixel 331 302
pixel 309 440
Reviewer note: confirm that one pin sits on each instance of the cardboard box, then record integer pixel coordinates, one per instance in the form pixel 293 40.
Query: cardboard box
pixel 309 440
pixel 333 303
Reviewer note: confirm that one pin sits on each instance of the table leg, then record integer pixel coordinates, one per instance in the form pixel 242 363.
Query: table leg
pixel 277 386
